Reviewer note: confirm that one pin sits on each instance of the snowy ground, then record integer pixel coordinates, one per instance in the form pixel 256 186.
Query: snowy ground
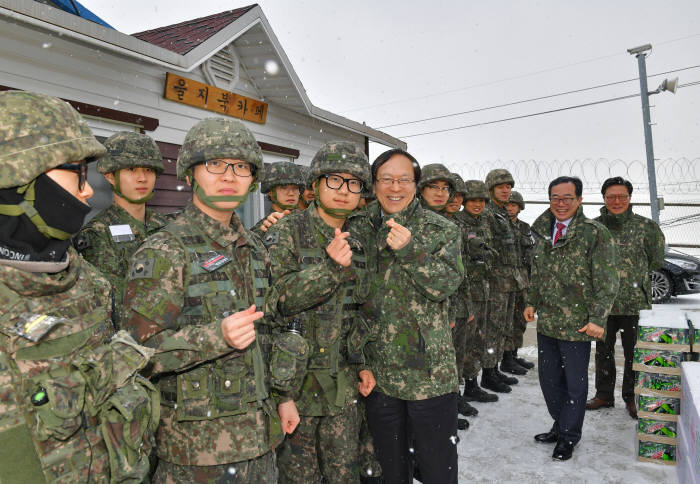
pixel 499 446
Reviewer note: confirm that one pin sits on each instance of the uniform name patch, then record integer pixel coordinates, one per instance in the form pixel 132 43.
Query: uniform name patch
pixel 212 261
pixel 34 326
pixel 121 233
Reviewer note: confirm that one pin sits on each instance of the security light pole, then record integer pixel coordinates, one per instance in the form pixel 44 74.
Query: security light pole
pixel 640 53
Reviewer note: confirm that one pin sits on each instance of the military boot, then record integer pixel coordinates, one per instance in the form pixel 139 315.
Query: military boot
pixel 528 365
pixel 465 409
pixel 491 381
pixel 508 380
pixel 462 424
pixel 509 365
pixel 474 393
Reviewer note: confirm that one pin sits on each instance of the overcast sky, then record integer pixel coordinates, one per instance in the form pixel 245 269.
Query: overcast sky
pixel 387 62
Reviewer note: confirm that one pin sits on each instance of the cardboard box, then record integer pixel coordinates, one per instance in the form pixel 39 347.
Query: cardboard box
pixel 654 403
pixel 649 449
pixel 661 428
pixel 657 360
pixel 687 463
pixel 658 381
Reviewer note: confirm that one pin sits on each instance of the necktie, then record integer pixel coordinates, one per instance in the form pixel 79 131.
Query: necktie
pixel 560 230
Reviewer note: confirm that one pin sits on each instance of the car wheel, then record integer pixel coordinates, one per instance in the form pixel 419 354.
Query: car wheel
pixel 660 287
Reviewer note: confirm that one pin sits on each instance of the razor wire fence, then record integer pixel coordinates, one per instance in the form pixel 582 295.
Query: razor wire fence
pixel 678 183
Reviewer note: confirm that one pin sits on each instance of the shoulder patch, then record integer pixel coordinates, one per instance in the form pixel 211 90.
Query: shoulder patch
pixel 142 269
pixel 271 238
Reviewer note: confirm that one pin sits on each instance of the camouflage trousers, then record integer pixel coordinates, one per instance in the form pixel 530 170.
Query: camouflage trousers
pixel 459 340
pixel 368 461
pixel 515 340
pixel 322 449
pixel 258 470
pixel 475 341
pixel 498 325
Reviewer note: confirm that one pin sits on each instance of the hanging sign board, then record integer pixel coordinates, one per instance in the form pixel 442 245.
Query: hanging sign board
pixel 200 95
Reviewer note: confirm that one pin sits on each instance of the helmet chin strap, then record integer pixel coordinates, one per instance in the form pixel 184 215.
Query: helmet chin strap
pixel 339 213
pixel 210 200
pixel 283 206
pixel 116 188
pixel 434 208
pixel 26 207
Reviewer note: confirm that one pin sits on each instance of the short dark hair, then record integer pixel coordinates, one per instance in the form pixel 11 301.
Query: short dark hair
pixel 616 180
pixel 384 157
pixel 578 184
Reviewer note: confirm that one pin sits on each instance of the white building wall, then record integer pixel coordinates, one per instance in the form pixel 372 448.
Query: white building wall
pixel 36 60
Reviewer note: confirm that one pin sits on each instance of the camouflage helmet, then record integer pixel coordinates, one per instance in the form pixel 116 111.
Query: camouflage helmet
pixel 475 189
pixel 305 175
pixel 213 138
pixel 128 149
pixel 516 197
pixel 340 157
pixel 498 176
pixel 434 172
pixel 39 133
pixel 458 183
pixel 281 173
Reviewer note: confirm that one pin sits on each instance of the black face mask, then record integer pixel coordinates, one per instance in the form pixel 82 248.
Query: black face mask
pixel 19 237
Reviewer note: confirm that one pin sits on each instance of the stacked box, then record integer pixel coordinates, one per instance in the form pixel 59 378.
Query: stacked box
pixel 689 424
pixel 664 340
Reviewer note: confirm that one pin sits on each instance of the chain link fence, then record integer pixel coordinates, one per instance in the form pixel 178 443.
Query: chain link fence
pixel 678 183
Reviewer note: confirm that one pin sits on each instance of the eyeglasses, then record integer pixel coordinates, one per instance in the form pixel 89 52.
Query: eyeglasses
pixel 438 188
pixel 616 198
pixel 240 168
pixel 388 181
pixel 562 200
pixel 80 168
pixel 335 182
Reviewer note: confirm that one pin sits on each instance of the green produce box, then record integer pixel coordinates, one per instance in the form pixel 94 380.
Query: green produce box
pixel 658 381
pixel 658 452
pixel 659 404
pixel 661 428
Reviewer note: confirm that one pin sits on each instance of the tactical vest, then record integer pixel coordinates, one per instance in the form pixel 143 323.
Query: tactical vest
pixel 326 326
pixel 233 384
pixel 67 387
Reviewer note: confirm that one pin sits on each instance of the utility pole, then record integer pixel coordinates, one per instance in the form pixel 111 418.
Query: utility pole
pixel 640 53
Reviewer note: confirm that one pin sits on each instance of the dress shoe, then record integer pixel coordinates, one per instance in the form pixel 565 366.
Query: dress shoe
pixel 547 437
pixel 508 380
pixel 595 403
pixel 563 451
pixel 631 409
pixel 474 393
pixel 462 424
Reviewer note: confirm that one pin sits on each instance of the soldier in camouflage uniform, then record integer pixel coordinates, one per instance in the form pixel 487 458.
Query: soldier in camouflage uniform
pixel 198 293
pixel 574 282
pixel 419 266
pixel 527 246
pixel 461 312
pixel 320 272
pixel 504 284
pixel 283 182
pixel 73 408
pixel 477 268
pixel 307 195
pixel 132 163
pixel 640 249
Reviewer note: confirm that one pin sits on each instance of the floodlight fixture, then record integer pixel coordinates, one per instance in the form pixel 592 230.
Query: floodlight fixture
pixel 639 50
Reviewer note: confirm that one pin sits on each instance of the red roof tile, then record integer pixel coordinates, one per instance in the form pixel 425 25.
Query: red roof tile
pixel 183 37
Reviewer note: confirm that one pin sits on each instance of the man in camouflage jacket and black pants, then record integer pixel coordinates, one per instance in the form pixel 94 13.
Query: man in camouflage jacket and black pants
pixel 640 249
pixel 574 282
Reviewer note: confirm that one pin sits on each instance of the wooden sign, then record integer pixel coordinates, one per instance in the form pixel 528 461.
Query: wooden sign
pixel 200 95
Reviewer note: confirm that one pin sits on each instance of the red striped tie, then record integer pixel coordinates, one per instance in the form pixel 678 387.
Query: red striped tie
pixel 560 229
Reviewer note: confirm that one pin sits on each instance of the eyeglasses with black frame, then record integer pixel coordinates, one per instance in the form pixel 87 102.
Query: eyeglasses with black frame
pixel 239 168
pixel 335 182
pixel 438 188
pixel 562 200
pixel 80 168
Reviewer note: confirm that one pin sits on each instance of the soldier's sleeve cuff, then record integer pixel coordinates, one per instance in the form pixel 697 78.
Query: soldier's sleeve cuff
pixel 410 252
